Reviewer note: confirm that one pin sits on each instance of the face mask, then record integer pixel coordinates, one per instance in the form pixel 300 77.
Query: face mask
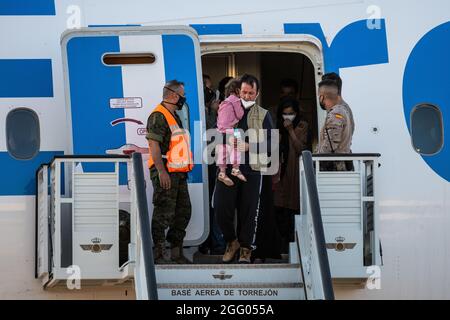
pixel 289 117
pixel 248 104
pixel 322 104
pixel 180 103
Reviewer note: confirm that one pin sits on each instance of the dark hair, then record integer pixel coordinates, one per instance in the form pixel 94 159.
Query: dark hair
pixel 289 83
pixel 284 143
pixel 329 83
pixel 222 85
pixel 284 104
pixel 335 77
pixel 232 86
pixel 251 80
pixel 209 94
pixel 205 76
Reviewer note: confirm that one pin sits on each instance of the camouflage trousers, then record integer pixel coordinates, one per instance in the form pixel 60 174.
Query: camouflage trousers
pixel 171 209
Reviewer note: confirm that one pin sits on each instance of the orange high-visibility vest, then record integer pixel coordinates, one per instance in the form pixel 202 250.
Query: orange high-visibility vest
pixel 179 157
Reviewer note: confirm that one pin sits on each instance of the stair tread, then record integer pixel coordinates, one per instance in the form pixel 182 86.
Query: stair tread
pixel 250 285
pixel 228 266
pixel 200 258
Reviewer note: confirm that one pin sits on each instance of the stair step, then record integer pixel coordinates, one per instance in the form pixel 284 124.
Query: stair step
pixel 232 291
pixel 199 258
pixel 208 278
pixel 226 277
pixel 280 285
pixel 262 266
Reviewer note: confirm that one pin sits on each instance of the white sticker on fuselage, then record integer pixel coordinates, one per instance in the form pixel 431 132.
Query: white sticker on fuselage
pixel 126 103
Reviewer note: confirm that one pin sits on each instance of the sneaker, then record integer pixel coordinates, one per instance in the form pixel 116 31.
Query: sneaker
pixel 230 251
pixel 245 256
pixel 225 179
pixel 238 174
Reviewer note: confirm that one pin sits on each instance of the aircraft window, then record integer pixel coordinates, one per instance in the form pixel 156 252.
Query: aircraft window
pixel 114 59
pixel 427 129
pixel 184 117
pixel 23 137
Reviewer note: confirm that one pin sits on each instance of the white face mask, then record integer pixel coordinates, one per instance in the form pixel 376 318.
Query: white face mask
pixel 248 104
pixel 290 117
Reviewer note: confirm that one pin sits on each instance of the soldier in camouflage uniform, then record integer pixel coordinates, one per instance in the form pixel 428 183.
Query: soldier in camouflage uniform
pixel 172 205
pixel 336 134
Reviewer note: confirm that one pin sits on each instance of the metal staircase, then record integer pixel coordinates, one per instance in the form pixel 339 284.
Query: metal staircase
pixel 236 282
pixel 305 276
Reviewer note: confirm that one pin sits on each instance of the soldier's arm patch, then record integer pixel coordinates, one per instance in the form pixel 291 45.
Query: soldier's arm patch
pixel 339 116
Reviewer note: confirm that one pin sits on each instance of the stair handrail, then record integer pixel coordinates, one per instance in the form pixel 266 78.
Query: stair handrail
pixel 145 227
pixel 316 217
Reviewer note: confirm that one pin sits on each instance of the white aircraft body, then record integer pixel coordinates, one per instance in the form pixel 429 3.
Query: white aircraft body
pixel 63 93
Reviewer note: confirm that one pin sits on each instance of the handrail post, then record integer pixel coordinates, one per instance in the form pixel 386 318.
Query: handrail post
pixel 318 225
pixel 146 236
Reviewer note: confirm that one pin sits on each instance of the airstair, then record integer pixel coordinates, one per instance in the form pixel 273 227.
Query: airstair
pixel 305 276
pixel 93 226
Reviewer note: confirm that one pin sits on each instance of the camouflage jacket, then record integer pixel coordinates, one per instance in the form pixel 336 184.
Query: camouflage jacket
pixel 336 134
pixel 158 130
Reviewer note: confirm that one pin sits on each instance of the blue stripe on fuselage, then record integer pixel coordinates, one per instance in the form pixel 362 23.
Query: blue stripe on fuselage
pixel 27 8
pixel 92 85
pixel 19 176
pixel 180 64
pixel 26 78
pixel 358 44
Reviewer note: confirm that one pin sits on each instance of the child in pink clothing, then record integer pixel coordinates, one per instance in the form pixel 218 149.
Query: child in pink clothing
pixel 230 112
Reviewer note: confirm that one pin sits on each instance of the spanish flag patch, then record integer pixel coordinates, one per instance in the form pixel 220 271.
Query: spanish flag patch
pixel 338 116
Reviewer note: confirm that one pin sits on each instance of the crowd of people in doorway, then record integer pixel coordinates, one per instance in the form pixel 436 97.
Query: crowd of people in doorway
pixel 251 214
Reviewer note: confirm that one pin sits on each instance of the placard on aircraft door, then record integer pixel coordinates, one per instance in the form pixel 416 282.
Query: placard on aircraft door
pixel 114 78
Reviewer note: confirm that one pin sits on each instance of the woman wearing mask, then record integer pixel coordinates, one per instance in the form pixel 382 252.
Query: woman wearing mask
pixel 294 136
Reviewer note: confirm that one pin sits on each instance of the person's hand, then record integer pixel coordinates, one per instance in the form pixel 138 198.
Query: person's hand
pixel 288 124
pixel 242 146
pixel 232 140
pixel 164 180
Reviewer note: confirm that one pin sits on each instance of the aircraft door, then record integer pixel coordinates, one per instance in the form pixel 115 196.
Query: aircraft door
pixel 114 78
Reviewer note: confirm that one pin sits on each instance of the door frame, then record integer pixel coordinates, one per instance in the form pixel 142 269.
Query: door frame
pixel 307 45
pixel 119 31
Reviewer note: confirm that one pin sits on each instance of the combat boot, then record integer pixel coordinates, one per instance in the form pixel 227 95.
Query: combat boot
pixel 231 250
pixel 159 253
pixel 177 256
pixel 245 256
